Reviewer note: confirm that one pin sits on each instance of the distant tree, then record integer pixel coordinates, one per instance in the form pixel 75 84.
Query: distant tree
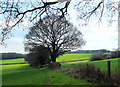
pixel 104 50
pixel 37 56
pixel 97 56
pixel 11 55
pixel 115 54
pixel 58 35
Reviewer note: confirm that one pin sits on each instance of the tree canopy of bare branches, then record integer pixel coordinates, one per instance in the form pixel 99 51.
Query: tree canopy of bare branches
pixel 14 12
pixel 58 35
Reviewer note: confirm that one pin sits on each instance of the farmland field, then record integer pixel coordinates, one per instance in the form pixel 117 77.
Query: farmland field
pixel 22 74
pixel 73 57
pixel 102 64
pixel 63 58
pixel 20 60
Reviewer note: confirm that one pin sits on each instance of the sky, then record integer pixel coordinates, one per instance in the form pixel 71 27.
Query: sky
pixel 96 37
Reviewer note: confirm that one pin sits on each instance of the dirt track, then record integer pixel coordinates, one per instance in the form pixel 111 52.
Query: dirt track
pixel 74 62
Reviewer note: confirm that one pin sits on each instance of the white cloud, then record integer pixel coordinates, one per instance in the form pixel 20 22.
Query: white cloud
pixel 13 48
pixel 14 45
pixel 97 37
pixel 16 40
pixel 100 37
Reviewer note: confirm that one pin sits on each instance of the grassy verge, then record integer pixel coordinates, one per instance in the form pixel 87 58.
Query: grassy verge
pixel 59 78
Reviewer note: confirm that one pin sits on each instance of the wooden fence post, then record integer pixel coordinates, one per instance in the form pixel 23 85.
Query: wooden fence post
pixel 87 69
pixel 109 69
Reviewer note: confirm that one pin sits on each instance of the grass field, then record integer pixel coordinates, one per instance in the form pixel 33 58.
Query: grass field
pixel 20 60
pixel 73 57
pixel 22 74
pixel 63 58
pixel 102 64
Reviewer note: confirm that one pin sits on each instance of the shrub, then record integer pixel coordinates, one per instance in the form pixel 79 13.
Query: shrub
pixel 94 75
pixel 115 54
pixel 98 56
pixel 108 57
pixel 38 57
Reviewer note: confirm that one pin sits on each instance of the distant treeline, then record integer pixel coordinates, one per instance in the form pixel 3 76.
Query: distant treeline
pixel 92 51
pixel 11 55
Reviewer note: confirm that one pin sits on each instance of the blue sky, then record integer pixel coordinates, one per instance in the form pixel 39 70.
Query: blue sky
pixel 97 37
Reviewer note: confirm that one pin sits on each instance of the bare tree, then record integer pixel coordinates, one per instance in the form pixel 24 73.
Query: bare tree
pixel 14 12
pixel 58 35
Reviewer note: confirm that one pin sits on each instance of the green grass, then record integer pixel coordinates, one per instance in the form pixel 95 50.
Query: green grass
pixel 63 58
pixel 22 74
pixel 20 60
pixel 102 64
pixel 73 57
pixel 59 78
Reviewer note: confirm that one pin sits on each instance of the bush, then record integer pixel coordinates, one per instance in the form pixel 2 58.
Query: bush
pixel 93 74
pixel 108 57
pixel 115 54
pixel 96 75
pixel 38 57
pixel 98 56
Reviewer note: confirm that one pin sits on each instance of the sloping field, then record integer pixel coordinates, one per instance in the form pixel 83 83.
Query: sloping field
pixel 102 64
pixel 73 57
pixel 22 74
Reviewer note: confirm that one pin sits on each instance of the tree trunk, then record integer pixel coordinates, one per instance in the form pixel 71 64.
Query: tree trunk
pixel 53 58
